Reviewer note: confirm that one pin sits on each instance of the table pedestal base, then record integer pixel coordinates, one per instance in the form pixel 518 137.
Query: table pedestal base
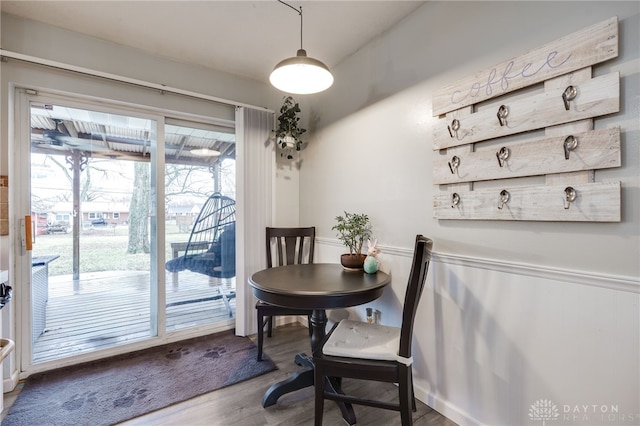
pixel 331 288
pixel 301 380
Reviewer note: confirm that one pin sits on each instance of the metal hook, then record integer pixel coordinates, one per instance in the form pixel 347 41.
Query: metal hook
pixel 568 95
pixel 503 111
pixel 570 195
pixel 455 199
pixel 502 155
pixel 570 143
pixel 504 198
pixel 453 128
pixel 453 164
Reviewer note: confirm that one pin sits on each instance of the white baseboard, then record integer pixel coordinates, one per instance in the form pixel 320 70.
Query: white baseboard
pixel 10 383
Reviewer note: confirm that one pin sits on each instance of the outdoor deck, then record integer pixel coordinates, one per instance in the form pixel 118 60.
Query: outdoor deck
pixel 109 308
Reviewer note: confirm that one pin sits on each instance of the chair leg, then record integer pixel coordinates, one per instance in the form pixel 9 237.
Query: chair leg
pixel 309 325
pixel 260 335
pixel 405 389
pixel 413 395
pixel 319 397
pixel 269 326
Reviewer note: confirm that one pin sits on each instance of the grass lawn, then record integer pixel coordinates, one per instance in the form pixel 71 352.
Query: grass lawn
pixel 100 250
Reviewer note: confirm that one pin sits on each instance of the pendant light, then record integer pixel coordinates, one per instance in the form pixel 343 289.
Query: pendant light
pixel 205 152
pixel 301 74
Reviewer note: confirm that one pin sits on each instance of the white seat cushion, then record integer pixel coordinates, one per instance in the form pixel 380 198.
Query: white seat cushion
pixel 355 339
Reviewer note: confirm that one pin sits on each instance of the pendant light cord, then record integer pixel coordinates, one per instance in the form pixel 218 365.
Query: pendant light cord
pixel 299 13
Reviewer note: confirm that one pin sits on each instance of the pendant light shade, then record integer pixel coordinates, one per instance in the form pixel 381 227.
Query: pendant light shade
pixel 301 74
pixel 205 152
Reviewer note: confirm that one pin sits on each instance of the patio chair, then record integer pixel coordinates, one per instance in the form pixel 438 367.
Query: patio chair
pixel 285 246
pixel 211 249
pixel 212 244
pixel 374 352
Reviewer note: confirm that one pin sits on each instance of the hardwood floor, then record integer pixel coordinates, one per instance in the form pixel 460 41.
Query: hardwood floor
pixel 240 404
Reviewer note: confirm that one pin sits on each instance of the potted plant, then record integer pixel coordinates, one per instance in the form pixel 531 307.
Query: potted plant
pixel 288 134
pixel 353 229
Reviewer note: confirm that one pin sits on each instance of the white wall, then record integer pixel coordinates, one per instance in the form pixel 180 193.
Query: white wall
pixel 516 311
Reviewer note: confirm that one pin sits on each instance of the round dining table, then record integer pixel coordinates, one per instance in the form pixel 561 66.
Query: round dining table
pixel 317 287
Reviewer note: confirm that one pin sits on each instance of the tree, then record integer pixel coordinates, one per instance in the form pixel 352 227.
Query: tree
pixel 139 210
pixel 87 189
pixel 183 180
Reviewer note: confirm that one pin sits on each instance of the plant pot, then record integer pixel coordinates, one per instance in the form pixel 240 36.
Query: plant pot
pixel 353 262
pixel 287 142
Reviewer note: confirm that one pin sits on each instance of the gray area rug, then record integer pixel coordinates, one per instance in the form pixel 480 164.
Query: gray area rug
pixel 116 389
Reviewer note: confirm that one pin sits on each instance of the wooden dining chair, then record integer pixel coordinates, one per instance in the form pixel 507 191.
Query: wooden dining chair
pixel 375 352
pixel 285 246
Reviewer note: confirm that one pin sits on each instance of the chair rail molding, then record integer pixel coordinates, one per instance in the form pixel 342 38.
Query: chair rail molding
pixel 611 282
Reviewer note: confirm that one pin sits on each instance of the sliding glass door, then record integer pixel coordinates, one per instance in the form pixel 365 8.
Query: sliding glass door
pixel 91 263
pixel 115 197
pixel 199 185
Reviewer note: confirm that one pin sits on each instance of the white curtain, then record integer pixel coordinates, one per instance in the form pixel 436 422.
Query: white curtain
pixel 255 167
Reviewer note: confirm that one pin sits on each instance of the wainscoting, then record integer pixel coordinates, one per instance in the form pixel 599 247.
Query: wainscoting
pixel 493 338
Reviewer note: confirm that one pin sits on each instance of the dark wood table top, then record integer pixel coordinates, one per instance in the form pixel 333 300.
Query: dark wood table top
pixel 317 286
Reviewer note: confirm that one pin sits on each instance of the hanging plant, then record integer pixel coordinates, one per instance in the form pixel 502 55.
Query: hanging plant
pixel 288 134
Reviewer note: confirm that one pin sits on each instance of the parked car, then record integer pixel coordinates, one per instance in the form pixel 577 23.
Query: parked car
pixel 99 222
pixel 55 228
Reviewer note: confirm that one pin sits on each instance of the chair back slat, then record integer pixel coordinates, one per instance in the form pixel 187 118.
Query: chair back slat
pixel 216 215
pixel 287 246
pixel 415 286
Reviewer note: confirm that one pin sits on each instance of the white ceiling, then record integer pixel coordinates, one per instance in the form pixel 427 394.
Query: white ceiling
pixel 245 38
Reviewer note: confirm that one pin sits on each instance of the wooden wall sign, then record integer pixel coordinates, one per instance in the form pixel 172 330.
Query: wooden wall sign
pixel 562 100
pixel 581 49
